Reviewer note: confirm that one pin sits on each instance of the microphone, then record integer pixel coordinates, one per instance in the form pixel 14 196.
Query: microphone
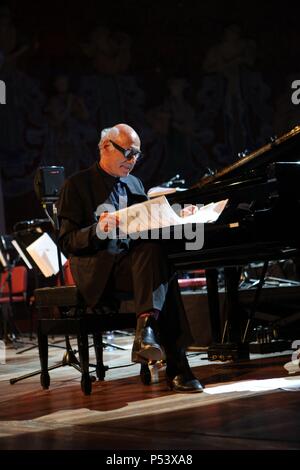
pixel 173 181
pixel 175 178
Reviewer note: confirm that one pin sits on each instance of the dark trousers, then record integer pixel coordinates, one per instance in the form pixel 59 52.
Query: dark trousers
pixel 145 272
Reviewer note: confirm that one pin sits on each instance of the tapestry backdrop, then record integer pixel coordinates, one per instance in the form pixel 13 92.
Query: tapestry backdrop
pixel 200 81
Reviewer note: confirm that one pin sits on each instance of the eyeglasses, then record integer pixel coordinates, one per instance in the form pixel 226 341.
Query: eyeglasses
pixel 128 153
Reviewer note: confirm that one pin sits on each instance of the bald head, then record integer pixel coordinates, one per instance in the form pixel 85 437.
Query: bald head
pixel 118 133
pixel 112 160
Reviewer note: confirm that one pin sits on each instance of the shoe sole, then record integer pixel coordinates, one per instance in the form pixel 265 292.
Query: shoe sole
pixel 196 390
pixel 148 354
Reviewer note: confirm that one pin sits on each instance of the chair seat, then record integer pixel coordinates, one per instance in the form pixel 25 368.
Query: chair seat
pixel 200 272
pixel 69 296
pixel 62 296
pixel 193 282
pixel 87 324
pixel 14 298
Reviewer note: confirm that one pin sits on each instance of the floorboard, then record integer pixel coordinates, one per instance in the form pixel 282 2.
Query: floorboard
pixel 122 413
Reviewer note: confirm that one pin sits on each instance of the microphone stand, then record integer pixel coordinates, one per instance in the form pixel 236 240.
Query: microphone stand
pixel 69 356
pixel 56 233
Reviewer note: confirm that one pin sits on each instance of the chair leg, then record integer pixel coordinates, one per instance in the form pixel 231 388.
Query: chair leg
pixel 43 353
pixel 83 349
pixel 98 346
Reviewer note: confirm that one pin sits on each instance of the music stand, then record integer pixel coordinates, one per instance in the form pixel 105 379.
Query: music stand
pixel 10 255
pixel 13 249
pixel 29 247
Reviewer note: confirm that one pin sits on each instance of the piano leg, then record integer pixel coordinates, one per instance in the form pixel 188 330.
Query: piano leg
pixel 232 279
pixel 213 303
pixel 256 298
pixel 233 349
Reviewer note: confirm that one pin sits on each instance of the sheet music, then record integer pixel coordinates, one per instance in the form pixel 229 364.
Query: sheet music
pixel 157 213
pixel 21 253
pixel 44 253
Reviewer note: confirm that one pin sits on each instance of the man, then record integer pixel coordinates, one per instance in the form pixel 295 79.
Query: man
pixel 103 265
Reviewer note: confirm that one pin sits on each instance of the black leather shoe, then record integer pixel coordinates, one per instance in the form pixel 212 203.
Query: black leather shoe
pixel 181 384
pixel 178 373
pixel 145 346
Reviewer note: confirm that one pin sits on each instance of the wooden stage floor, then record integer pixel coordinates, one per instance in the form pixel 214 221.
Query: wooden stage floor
pixel 122 413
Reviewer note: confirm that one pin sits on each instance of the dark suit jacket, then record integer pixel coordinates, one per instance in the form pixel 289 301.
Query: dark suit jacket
pixel 90 259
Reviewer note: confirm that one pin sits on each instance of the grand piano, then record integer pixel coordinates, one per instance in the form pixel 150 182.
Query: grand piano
pixel 258 224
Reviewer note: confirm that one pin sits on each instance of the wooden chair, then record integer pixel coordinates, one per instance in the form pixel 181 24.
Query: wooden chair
pixel 76 319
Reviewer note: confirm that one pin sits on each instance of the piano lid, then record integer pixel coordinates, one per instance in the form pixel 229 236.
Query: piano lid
pixel 268 153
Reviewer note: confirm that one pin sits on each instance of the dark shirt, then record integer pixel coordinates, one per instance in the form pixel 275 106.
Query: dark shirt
pixel 118 195
pixel 117 199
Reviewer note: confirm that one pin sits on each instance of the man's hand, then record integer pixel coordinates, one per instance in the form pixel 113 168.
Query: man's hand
pixel 108 222
pixel 189 210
